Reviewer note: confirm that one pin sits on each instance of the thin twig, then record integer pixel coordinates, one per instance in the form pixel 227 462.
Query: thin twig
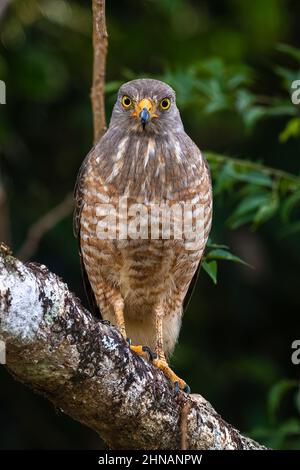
pixel 100 43
pixel 274 172
pixel 3 7
pixel 43 225
pixel 64 208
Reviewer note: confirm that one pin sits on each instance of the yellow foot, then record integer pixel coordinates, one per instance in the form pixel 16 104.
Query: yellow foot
pixel 177 381
pixel 139 351
pixel 142 351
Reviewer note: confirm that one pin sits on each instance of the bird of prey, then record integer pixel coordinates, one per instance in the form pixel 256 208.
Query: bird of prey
pixel 142 283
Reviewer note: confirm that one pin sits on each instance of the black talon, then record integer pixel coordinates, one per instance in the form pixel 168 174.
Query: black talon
pixel 128 340
pixel 187 389
pixel 152 355
pixel 176 387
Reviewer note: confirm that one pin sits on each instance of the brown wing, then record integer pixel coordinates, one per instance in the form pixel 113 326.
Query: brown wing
pixel 207 225
pixel 191 288
pixel 78 196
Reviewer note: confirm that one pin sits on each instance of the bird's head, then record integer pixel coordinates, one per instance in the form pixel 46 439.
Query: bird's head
pixel 146 105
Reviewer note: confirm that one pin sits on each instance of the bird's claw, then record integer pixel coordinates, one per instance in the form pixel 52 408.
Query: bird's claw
pixel 143 351
pixel 146 352
pixel 177 388
pixel 178 383
pixel 152 355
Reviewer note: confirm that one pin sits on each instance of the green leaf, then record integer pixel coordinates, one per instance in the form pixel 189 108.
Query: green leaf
pixel 211 269
pixel 237 80
pixel 244 99
pixel 217 98
pixel 250 204
pixel 287 108
pixel 253 115
pixel 292 129
pixel 266 211
pixel 254 177
pixel 288 76
pixel 214 66
pixel 291 426
pixel 245 219
pixel 276 395
pixel 185 82
pixel 290 229
pixel 290 50
pixel 225 179
pixel 224 255
pixel 289 204
pixel 216 245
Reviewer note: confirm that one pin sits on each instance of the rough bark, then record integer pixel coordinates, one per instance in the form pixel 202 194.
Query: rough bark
pixel 100 43
pixel 85 368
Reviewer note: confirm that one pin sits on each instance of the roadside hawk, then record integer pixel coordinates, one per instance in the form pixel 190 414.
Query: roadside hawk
pixel 141 279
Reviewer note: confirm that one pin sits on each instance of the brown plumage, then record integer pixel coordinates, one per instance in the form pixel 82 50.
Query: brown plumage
pixel 142 285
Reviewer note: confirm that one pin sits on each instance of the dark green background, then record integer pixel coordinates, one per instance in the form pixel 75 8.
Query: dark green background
pixel 235 344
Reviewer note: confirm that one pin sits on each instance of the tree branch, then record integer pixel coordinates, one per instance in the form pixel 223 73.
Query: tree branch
pixel 3 7
pixel 100 43
pixel 84 367
pixel 43 225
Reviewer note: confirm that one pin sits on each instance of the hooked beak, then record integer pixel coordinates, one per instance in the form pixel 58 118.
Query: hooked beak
pixel 144 116
pixel 144 111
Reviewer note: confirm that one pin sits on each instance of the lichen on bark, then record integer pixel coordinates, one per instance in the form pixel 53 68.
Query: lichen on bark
pixel 85 368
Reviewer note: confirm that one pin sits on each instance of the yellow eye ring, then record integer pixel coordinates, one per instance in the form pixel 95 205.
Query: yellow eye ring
pixel 165 104
pixel 126 102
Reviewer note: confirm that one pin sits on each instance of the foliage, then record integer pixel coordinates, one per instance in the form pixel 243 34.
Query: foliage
pixel 279 432
pixel 259 193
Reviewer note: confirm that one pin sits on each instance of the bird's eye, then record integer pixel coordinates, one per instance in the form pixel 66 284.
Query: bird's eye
pixel 126 101
pixel 165 104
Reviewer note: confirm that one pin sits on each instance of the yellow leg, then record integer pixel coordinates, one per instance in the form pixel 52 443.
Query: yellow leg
pixel 177 381
pixel 142 351
pixel 119 314
pixel 161 361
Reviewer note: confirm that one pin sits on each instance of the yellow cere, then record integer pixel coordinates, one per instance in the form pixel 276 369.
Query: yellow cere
pixel 145 103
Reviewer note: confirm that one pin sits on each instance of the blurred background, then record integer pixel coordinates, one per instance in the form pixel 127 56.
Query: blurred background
pixel 232 64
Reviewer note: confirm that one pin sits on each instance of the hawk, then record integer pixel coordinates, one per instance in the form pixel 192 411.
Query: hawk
pixel 142 283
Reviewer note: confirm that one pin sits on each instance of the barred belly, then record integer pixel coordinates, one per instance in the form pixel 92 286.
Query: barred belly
pixel 146 273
